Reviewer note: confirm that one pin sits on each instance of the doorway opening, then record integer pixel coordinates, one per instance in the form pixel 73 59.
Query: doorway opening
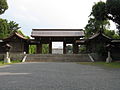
pixel 45 48
pixel 69 49
pixel 57 47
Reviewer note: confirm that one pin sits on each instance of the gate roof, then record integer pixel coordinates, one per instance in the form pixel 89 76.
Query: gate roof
pixel 57 33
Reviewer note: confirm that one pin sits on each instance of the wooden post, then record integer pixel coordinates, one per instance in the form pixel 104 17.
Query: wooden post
pixel 39 48
pixel 50 48
pixel 26 48
pixel 75 48
pixel 64 47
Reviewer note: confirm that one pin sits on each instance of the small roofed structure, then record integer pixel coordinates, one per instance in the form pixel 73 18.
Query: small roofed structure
pixel 47 36
pixel 17 42
pixel 97 40
pixel 96 44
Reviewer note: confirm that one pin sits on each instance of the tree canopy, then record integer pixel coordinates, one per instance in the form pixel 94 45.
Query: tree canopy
pixel 99 18
pixel 94 26
pixel 13 26
pixel 99 11
pixel 3 28
pixel 6 28
pixel 113 11
pixel 3 6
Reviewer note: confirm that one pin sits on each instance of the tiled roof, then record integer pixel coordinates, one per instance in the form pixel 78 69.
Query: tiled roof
pixel 17 34
pixel 21 36
pixel 57 33
pixel 97 34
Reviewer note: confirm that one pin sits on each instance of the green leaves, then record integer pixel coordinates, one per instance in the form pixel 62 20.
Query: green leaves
pixel 3 28
pixel 6 28
pixel 113 10
pixel 13 26
pixel 101 14
pixel 99 11
pixel 3 6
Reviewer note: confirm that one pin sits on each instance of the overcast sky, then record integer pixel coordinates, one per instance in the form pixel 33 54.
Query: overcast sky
pixel 31 14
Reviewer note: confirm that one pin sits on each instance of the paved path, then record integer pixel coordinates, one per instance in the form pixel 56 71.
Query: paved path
pixel 58 76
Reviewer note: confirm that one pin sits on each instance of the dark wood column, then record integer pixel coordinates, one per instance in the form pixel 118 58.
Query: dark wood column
pixel 75 48
pixel 39 48
pixel 50 48
pixel 26 48
pixel 64 47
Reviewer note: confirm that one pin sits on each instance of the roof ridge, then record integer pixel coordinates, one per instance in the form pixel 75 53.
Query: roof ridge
pixel 57 29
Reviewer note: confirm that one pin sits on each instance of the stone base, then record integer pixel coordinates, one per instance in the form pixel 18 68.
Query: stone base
pixel 7 60
pixel 58 58
pixel 108 60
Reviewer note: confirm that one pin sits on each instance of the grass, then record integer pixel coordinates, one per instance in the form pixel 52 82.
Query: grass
pixel 12 62
pixel 102 64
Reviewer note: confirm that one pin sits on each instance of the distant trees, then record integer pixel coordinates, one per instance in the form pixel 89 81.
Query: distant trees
pixel 3 6
pixel 45 48
pixel 32 49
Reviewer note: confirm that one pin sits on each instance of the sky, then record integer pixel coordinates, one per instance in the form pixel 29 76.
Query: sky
pixel 39 14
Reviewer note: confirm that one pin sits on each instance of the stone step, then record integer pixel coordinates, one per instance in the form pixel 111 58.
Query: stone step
pixel 58 58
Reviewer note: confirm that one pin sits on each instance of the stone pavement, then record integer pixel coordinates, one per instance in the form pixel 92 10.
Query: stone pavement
pixel 58 76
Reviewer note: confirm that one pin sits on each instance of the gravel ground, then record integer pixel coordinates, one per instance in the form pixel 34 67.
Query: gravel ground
pixel 58 76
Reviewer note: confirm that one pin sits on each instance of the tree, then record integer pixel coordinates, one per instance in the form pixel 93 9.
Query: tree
pixel 98 19
pixel 3 28
pixel 113 11
pixel 99 11
pixel 3 6
pixel 13 26
pixel 94 26
pixel 111 34
pixel 6 28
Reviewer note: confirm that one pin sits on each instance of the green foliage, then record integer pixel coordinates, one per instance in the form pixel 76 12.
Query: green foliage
pixel 6 28
pixel 99 11
pixel 102 11
pixel 32 49
pixel 102 64
pixel 20 32
pixel 113 10
pixel 82 48
pixel 13 26
pixel 16 61
pixel 3 6
pixel 3 28
pixel 111 34
pixel 98 20
pixel 91 28
pixel 94 26
pixel 45 48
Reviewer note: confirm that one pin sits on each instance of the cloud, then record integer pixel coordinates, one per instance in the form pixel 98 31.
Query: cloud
pixel 49 13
